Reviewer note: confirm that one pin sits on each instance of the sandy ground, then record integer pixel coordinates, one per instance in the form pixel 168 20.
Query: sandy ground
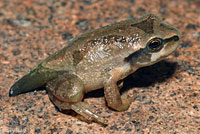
pixel 168 93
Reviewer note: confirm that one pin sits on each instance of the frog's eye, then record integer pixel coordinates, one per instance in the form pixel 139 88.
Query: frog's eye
pixel 155 44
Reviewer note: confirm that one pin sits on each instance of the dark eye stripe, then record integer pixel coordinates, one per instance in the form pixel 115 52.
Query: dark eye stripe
pixel 173 38
pixel 142 55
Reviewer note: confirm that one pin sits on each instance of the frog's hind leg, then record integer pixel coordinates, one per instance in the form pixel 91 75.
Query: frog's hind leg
pixel 66 92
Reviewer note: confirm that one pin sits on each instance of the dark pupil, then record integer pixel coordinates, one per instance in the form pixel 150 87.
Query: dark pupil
pixel 155 45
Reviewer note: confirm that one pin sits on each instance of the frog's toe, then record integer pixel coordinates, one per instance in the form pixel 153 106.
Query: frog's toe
pixel 120 84
pixel 126 97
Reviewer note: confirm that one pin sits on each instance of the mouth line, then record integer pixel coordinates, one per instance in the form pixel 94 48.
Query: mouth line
pixel 173 38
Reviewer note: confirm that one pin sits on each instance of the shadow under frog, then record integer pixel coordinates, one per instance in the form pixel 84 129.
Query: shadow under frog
pixel 143 77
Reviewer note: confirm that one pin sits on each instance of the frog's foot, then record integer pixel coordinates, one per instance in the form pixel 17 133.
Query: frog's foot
pixel 88 112
pixel 126 101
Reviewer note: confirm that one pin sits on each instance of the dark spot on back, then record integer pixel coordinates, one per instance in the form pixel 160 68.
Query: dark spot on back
pixel 77 57
pixel 146 25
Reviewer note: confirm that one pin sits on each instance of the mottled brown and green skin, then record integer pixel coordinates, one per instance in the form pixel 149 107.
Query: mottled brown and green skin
pixel 99 59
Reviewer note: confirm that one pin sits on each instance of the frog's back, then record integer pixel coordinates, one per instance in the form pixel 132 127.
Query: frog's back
pixel 97 48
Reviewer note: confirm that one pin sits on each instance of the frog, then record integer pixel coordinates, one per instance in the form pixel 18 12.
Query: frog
pixel 101 58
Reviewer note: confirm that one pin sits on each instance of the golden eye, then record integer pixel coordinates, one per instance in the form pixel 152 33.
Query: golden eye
pixel 155 44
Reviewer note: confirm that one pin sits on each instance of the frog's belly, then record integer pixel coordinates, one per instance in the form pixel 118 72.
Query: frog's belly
pixel 92 80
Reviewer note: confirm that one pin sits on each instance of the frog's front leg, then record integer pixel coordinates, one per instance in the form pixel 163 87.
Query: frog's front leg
pixel 66 92
pixel 111 91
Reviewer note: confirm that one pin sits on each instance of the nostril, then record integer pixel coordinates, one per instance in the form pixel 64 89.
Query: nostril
pixel 176 38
